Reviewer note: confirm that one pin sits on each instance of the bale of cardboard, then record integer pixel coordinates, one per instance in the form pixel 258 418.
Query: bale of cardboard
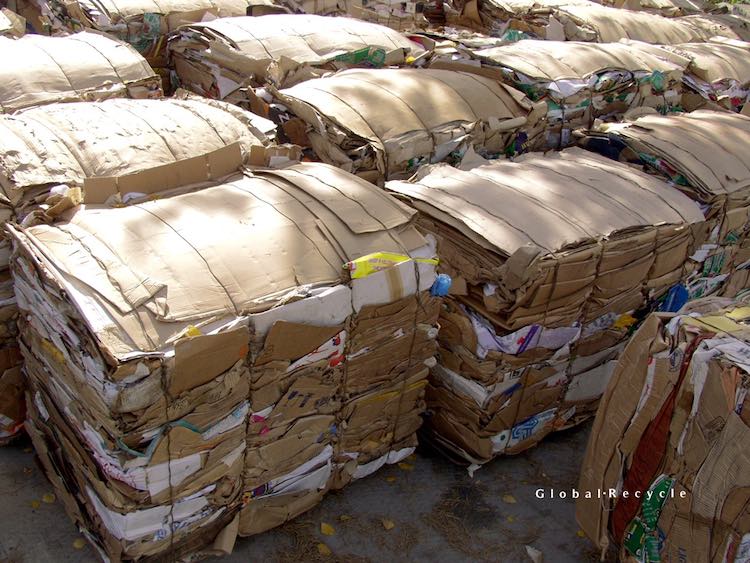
pixel 47 154
pixel 664 477
pixel 401 16
pixel 222 58
pixel 385 123
pixel 733 25
pixel 209 362
pixel 551 256
pixel 666 8
pixel 717 71
pixel 578 81
pixel 84 66
pixel 583 20
pixel 702 154
pixel 145 25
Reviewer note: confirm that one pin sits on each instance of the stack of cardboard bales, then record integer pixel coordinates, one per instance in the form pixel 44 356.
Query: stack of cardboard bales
pixel 550 257
pixel 730 25
pixel 716 71
pixel 704 155
pixel 211 363
pixel 385 123
pixel 580 82
pixel 402 16
pixel 666 8
pixel 224 57
pixel 142 24
pixel 582 20
pixel 84 66
pixel 665 475
pixel 47 153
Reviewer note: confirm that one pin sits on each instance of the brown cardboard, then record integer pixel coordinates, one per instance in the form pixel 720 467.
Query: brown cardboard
pixel 706 438
pixel 210 166
pixel 200 359
pixel 279 49
pixel 386 110
pixel 83 66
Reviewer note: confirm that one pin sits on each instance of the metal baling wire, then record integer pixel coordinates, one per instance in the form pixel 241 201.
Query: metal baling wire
pixel 420 306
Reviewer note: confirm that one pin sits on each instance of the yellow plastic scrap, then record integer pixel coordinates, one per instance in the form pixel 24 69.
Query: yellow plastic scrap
pixel 326 529
pixel 193 331
pixel 377 261
pixel 624 321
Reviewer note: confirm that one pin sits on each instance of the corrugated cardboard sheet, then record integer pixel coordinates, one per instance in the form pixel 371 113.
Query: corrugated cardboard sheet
pixel 667 8
pixel 734 26
pixel 203 366
pixel 50 155
pixel 706 147
pixel 676 413
pixel 386 122
pixel 217 58
pixel 84 66
pixel 551 255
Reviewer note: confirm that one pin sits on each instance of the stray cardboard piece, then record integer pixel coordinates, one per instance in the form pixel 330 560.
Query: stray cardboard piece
pixel 210 166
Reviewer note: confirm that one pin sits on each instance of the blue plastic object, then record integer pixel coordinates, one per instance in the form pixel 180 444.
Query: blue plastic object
pixel 677 297
pixel 442 285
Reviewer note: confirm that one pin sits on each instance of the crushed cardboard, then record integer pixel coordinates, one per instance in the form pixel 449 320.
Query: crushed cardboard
pixel 385 123
pixel 578 81
pixel 718 71
pixel 673 420
pixel 202 366
pixel 54 157
pixel 83 66
pixel 551 268
pixel 583 20
pixel 145 25
pixel 718 179
pixel 11 23
pixel 222 57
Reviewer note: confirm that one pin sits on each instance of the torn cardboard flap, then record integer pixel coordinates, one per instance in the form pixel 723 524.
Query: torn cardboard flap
pixel 210 166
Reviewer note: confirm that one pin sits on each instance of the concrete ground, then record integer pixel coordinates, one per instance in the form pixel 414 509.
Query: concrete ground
pixel 424 509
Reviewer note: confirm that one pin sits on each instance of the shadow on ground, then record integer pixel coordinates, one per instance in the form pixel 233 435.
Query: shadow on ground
pixel 423 509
